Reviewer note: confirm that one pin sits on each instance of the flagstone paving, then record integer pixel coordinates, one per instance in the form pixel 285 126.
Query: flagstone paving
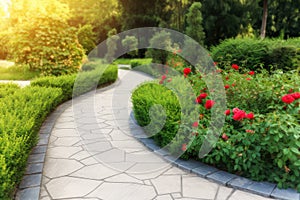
pixel 93 154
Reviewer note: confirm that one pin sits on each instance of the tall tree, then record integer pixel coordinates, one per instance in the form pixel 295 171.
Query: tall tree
pixel 223 19
pixel 137 13
pixel 194 27
pixel 264 20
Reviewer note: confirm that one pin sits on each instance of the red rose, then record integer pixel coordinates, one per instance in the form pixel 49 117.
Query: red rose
pixel 163 77
pixel 198 100
pixel 226 86
pixel 225 137
pixel 251 73
pixel 238 116
pixel 227 112
pixel 203 95
pixel 235 66
pixel 235 110
pixel 233 84
pixel 248 79
pixel 250 115
pixel 227 78
pixel 161 82
pixel 209 104
pixel 288 98
pixel 186 71
pixel 290 91
pixel 195 124
pixel 183 147
pixel 249 131
pixel 296 95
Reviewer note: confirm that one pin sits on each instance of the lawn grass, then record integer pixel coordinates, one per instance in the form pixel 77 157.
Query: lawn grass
pixel 16 73
pixel 127 61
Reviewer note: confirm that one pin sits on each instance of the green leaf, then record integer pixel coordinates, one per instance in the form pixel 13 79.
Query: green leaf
pixel 280 163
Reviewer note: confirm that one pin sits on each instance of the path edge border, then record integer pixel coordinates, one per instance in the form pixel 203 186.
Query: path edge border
pixel 224 178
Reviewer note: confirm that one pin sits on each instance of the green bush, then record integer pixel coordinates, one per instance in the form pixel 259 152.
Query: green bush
pixel 8 89
pixel 254 53
pixel 263 148
pixel 91 65
pixel 25 110
pixel 87 38
pixel 85 81
pixel 18 131
pixel 49 45
pixel 163 41
pixel 145 97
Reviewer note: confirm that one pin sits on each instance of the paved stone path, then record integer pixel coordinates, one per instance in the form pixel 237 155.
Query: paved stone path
pixel 93 154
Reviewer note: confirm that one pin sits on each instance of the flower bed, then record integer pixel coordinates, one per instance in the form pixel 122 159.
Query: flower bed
pixel 260 137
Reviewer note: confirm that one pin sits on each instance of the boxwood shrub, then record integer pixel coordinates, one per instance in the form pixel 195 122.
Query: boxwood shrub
pixel 22 114
pixel 254 53
pixel 263 145
pixel 8 89
pixel 23 111
pixel 85 81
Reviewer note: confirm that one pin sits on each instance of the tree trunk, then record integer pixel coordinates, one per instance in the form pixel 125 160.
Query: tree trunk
pixel 264 20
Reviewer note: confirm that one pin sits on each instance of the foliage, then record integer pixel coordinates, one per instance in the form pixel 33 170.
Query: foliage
pixel 48 45
pixel 194 27
pixel 254 53
pixel 146 96
pixel 17 72
pixel 25 110
pixel 85 81
pixel 86 37
pixel 18 131
pixel 125 61
pixel 130 43
pixel 4 49
pixel 261 142
pixel 162 43
pixel 101 15
pixel 8 89
pixel 111 44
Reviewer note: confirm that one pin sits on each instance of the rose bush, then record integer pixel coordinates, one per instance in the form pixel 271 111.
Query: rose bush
pixel 260 137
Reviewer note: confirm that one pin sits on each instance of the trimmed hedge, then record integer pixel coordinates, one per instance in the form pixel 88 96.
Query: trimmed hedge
pixel 8 89
pixel 254 53
pixel 85 81
pixel 22 114
pixel 263 148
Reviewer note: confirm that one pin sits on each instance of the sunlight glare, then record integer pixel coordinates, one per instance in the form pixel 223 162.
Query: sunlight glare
pixel 4 8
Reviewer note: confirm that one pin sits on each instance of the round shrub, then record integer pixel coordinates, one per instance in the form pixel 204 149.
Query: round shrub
pixel 49 45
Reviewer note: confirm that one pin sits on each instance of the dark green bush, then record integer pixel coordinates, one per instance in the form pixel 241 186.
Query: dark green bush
pixel 24 112
pixel 8 89
pixel 254 53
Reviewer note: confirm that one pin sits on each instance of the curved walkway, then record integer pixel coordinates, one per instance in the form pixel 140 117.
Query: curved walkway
pixel 93 154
